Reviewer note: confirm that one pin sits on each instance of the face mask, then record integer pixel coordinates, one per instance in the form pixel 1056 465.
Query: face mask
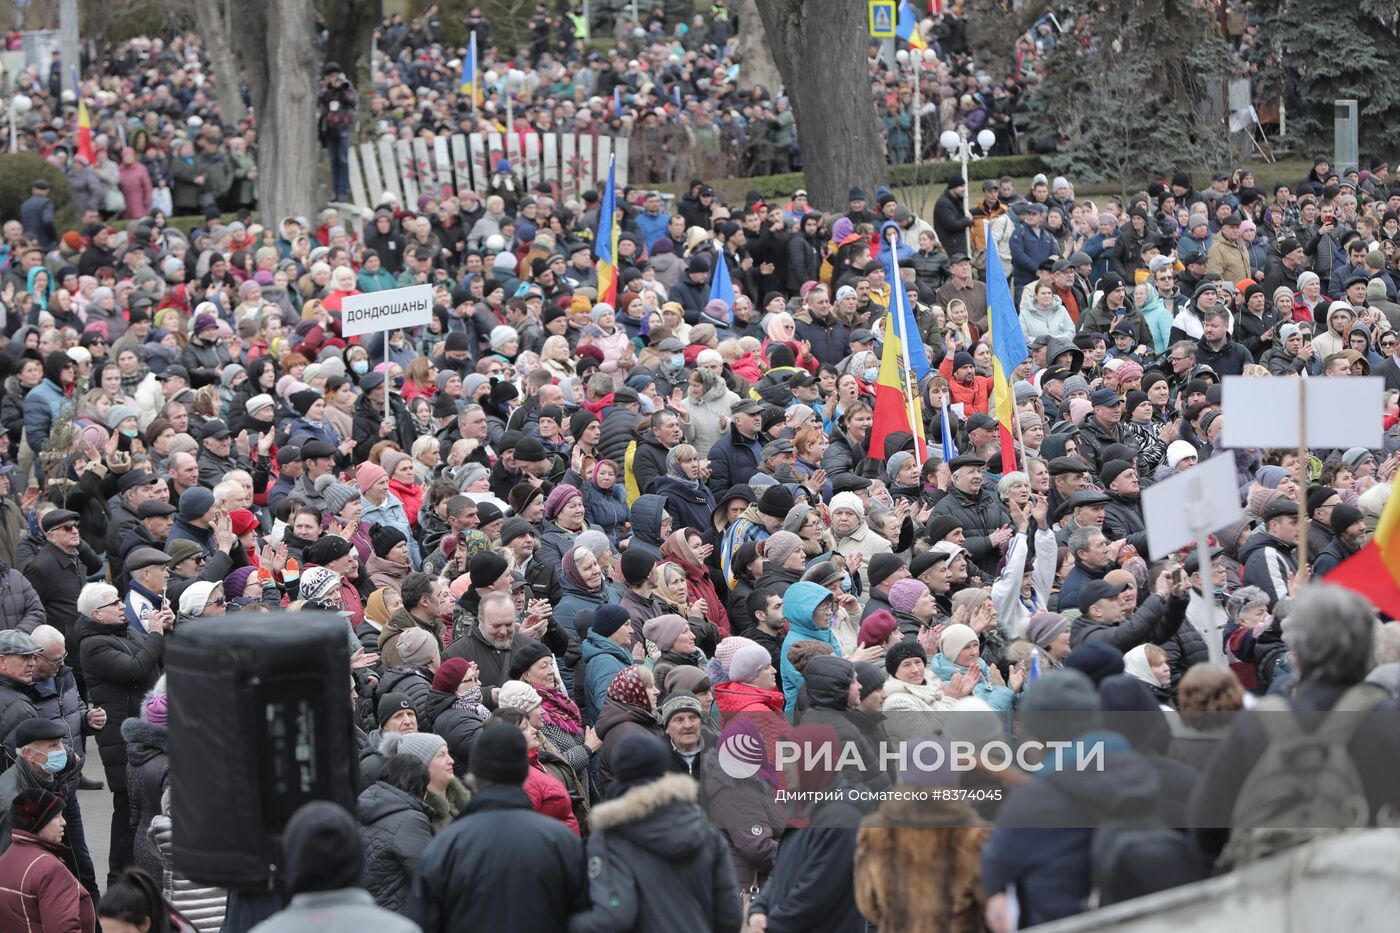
pixel 845 583
pixel 56 761
pixel 398 382
pixel 128 432
pixel 677 360
pixel 870 375
pixel 360 366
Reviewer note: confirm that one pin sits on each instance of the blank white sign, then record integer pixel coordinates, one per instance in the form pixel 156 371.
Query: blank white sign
pixel 1206 493
pixel 1342 412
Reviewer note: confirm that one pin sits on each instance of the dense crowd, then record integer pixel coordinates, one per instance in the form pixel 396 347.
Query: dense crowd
pixel 583 546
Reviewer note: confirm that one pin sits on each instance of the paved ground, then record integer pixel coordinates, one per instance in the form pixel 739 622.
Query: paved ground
pixel 97 814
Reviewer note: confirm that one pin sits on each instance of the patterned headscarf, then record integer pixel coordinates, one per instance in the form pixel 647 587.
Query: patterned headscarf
pixel 627 688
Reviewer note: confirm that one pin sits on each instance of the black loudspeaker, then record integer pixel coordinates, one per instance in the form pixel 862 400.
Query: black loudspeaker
pixel 260 723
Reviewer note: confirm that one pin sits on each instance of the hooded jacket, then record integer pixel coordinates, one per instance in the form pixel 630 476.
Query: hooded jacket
pixel 147 771
pixel 799 602
pixel 655 838
pixel 647 512
pixel 603 660
pixel 1268 564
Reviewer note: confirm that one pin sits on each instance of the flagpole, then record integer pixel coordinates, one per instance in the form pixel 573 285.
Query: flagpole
pixel 899 300
pixel 472 52
pixel 1016 422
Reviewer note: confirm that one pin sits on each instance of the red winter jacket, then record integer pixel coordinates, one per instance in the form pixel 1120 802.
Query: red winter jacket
pixel 548 795
pixel 38 892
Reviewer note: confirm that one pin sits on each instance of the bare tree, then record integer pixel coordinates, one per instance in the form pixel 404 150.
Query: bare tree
pixel 353 23
pixel 209 15
pixel 276 43
pixel 756 57
pixel 820 47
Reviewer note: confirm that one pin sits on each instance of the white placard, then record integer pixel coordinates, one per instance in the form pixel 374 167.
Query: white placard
pixel 1341 412
pixel 373 312
pixel 1207 492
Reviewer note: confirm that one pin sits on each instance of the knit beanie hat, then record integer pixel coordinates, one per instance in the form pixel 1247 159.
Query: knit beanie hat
pixel 526 657
pixel 416 646
pixel 449 676
pixel 638 759
pixel 1343 517
pixel 877 627
pixel 34 808
pixel 383 538
pixel 391 459
pixel 367 474
pixel 1097 659
pixel 421 745
pixel 780 546
pixel 236 581
pixel 1045 627
pixel 157 709
pixel 513 528
pixel 748 662
pixel 499 755
pixel 338 496
pixel 303 400
pixel 664 630
pixel 195 502
pixel 1076 383
pixel 680 701
pixel 317 582
pixel 954 639
pixel 1179 450
pixel 636 566
pixel 558 497
pixel 390 704
pixel 608 619
pixel 905 593
pixel 848 500
pixel 516 694
pixel 897 655
pixel 486 568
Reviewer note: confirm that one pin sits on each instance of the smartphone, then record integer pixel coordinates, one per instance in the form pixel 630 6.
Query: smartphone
pixel 123 443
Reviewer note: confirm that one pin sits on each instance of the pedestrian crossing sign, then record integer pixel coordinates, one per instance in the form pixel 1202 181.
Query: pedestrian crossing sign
pixel 882 19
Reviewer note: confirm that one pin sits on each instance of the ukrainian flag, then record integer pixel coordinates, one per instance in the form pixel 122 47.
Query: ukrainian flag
pixel 1008 344
pixel 908 26
pixel 605 243
pixel 468 84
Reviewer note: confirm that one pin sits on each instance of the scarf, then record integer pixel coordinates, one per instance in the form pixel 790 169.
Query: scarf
pixel 559 711
pixel 572 575
pixel 676 470
pixel 471 700
pixel 132 380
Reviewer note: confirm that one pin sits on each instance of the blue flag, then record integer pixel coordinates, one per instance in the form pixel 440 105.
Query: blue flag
pixel 722 287
pixel 950 450
pixel 617 102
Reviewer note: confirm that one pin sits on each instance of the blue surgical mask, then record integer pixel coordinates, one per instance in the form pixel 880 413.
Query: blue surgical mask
pixel 870 375
pixel 845 583
pixel 128 432
pixel 56 761
pixel 677 360
pixel 360 366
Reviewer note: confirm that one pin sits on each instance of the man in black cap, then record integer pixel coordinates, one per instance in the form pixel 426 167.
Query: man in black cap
pixel 380 415
pixel 317 460
pixel 58 571
pixel 964 286
pixel 1104 618
pixel 133 488
pixel 289 470
pixel 217 455
pixel 984 519
pixel 736 456
pixel 17 695
pixel 1100 429
pixel 1268 553
pixel 639 598
pixel 693 291
pixel 1283 271
pixel 523 461
pixel 1228 257
pixel 154 519
pixel 533 864
pixel 1123 519
pixel 1349 533
pixel 1084 509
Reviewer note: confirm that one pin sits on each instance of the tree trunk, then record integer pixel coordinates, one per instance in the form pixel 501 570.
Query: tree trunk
pixel 353 25
pixel 820 50
pixel 756 57
pixel 277 46
pixel 209 15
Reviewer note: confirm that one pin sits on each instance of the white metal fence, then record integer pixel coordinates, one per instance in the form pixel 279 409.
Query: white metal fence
pixel 450 164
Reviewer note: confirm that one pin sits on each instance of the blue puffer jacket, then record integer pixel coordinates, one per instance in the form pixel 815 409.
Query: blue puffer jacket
pixel 606 510
pixel 576 600
pixel 603 660
pixel 799 602
pixel 999 697
pixel 43 407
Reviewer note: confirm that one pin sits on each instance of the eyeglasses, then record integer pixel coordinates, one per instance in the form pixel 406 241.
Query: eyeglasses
pixel 71 526
pixel 218 602
pixel 115 602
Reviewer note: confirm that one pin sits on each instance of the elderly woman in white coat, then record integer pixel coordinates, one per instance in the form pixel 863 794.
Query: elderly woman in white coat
pixel 705 415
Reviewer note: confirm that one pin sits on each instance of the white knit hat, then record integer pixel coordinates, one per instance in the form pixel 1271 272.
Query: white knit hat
pixel 518 695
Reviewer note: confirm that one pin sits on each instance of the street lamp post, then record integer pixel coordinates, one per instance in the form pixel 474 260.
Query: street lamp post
pixel 20 104
pixel 916 61
pixel 959 147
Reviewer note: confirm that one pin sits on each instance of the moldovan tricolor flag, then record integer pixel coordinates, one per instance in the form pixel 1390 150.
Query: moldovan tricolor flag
pixel 903 363
pixel 907 26
pixel 85 133
pixel 605 243
pixel 1008 344
pixel 1374 571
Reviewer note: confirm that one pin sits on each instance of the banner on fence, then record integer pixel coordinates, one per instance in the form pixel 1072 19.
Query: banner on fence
pixel 448 165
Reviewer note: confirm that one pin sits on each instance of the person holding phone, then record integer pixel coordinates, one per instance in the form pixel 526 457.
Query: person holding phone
pixel 1105 618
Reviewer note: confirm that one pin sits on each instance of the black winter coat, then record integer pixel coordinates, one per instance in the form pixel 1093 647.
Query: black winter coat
pixel 20 607
pixel 147 771
pixel 950 222
pixel 413 682
pixel 58 578
pixel 830 339
pixel 732 460
pixel 690 505
pixel 804 260
pixel 979 518
pixel 649 462
pixel 1185 649
pixel 1122 518
pixel 17 703
pixel 457 726
pixel 656 838
pixel 394 830
pixel 826 850
pixel 119 666
pixel 533 866
pixel 619 429
pixel 1155 621
pixel 842 456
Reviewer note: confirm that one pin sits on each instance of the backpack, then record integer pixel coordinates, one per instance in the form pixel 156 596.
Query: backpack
pixel 1305 785
pixel 1134 861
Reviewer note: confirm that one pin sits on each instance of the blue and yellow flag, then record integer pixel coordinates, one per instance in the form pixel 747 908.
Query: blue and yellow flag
pixel 1008 344
pixel 468 84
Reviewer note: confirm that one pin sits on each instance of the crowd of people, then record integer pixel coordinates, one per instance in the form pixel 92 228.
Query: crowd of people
pixel 585 545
